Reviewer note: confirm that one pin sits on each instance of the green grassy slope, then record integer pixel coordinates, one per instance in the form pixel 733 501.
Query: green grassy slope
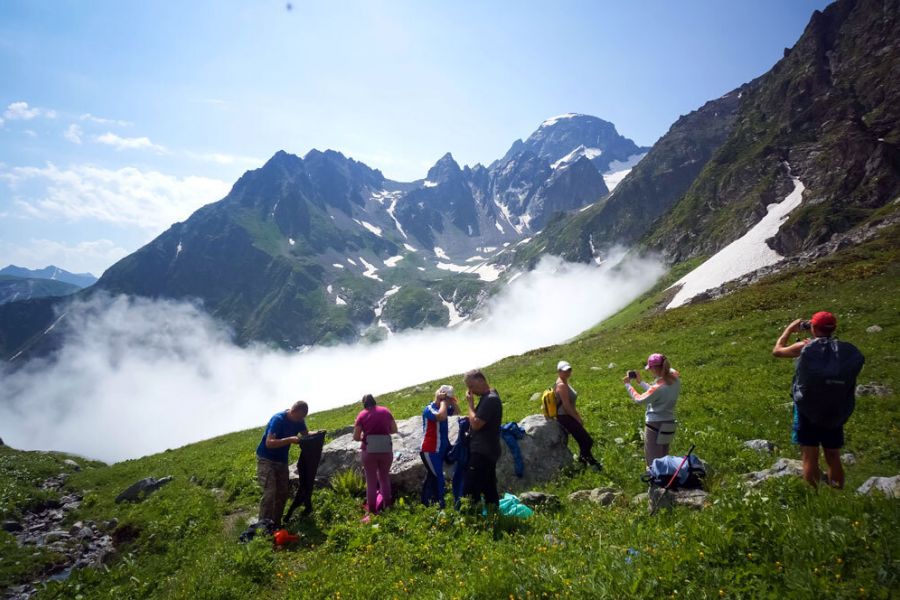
pixel 786 541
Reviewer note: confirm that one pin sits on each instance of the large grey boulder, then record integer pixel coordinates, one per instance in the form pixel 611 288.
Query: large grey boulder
pixel 782 467
pixel 889 486
pixel 544 452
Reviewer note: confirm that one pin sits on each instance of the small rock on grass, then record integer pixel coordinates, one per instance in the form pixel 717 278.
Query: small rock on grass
pixel 535 397
pixel 782 467
pixel 71 463
pixel 873 329
pixel 602 496
pixel 534 499
pixel 760 445
pixel 873 389
pixel 640 498
pixel 848 458
pixel 889 486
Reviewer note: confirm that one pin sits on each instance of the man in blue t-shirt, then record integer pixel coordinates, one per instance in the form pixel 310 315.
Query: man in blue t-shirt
pixel 284 429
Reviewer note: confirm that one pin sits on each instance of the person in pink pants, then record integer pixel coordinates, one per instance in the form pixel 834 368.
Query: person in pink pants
pixel 374 426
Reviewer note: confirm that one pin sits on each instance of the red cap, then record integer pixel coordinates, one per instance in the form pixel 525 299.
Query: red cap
pixel 824 321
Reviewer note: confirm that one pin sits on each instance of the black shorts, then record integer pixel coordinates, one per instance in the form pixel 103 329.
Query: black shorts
pixel 807 433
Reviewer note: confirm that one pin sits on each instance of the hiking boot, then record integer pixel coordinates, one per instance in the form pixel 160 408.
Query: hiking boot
pixel 590 461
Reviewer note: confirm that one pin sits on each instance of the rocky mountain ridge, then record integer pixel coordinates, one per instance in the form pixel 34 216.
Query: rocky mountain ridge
pixel 322 248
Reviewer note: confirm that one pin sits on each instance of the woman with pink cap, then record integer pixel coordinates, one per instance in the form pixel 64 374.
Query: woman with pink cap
pixel 660 399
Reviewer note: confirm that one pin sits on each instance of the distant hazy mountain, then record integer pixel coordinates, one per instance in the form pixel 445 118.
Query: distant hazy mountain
pixel 25 288
pixel 81 280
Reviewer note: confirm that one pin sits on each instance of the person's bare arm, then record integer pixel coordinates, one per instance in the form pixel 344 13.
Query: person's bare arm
pixel 357 433
pixel 393 426
pixel 782 349
pixel 474 422
pixel 441 414
pixel 274 442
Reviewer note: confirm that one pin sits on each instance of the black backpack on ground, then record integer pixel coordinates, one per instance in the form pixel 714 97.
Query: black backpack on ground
pixel 261 527
pixel 824 387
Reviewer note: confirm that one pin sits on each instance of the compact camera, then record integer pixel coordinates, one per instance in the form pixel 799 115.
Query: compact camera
pixel 632 374
pixel 805 325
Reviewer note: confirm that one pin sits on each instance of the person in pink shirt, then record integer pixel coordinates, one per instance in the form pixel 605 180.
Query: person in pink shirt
pixel 374 426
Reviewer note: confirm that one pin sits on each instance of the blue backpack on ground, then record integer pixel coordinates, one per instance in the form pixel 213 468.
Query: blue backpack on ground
pixel 824 386
pixel 661 471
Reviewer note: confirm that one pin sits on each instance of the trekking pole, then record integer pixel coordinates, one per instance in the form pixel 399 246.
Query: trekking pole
pixel 671 481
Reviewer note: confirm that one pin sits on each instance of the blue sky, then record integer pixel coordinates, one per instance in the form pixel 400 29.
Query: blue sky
pixel 119 118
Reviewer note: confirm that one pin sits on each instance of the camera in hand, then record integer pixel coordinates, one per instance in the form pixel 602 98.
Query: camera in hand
pixel 805 325
pixel 632 374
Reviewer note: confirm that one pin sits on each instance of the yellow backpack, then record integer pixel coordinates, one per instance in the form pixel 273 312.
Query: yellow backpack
pixel 548 403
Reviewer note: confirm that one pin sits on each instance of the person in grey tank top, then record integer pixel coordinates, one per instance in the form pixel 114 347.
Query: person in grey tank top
pixel 569 418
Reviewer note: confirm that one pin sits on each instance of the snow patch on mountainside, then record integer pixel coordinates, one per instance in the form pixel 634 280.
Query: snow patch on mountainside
pixel 410 248
pixel 439 252
pixel 575 154
pixel 429 184
pixel 485 271
pixel 553 120
pixel 455 317
pixel 618 169
pixel 370 227
pixel 744 255
pixel 392 261
pixel 370 271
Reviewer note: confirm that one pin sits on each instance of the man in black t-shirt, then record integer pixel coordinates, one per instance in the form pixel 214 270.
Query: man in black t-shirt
pixel 484 440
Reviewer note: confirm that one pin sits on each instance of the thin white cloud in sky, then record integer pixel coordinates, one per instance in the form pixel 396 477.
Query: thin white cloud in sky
pixel 136 376
pixel 128 143
pixel 92 256
pixel 20 111
pixel 103 121
pixel 73 133
pixel 148 200
pixel 223 158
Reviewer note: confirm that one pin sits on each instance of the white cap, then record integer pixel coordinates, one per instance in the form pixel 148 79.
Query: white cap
pixel 446 389
pixel 563 366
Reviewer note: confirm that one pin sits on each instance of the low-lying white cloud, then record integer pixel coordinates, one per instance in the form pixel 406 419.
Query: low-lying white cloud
pixel 137 376
pixel 149 200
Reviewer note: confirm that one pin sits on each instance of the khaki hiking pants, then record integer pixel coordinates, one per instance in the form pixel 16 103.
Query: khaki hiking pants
pixel 273 479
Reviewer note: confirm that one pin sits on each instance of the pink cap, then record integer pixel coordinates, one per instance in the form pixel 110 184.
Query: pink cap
pixel 655 360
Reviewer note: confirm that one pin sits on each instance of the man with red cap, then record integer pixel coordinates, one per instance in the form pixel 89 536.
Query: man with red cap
pixel 807 432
